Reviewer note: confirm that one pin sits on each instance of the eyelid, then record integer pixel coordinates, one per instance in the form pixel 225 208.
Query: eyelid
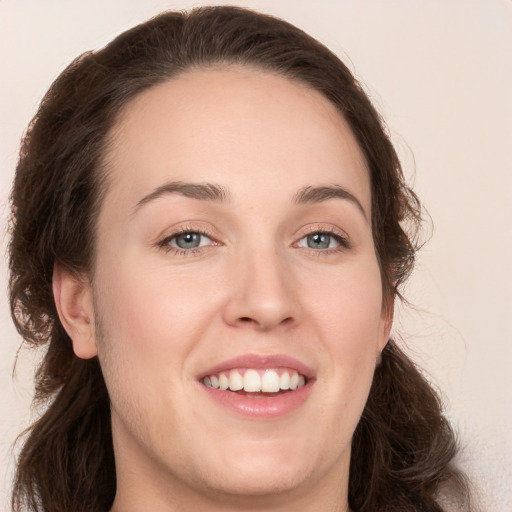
pixel 339 234
pixel 163 241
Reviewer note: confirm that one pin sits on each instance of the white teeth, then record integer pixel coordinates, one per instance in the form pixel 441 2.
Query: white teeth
pixel 223 381
pixel 271 380
pixel 252 381
pixel 294 380
pixel 236 381
pixel 284 380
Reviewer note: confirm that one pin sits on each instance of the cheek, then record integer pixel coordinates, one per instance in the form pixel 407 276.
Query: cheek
pixel 146 330
pixel 349 317
pixel 350 305
pixel 152 320
pixel 151 311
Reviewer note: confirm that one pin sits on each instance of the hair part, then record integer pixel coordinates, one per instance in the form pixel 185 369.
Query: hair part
pixel 402 448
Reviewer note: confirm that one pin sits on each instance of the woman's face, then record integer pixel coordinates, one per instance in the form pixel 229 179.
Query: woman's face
pixel 235 245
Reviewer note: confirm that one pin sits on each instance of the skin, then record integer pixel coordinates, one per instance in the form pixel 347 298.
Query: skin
pixel 157 316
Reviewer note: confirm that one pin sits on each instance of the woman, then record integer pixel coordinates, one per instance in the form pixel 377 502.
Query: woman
pixel 210 227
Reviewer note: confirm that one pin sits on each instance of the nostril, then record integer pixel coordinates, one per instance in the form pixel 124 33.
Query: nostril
pixel 249 321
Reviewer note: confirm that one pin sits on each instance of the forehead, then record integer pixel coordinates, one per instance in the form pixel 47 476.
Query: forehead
pixel 234 125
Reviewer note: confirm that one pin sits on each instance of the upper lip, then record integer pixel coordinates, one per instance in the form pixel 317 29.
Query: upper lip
pixel 256 362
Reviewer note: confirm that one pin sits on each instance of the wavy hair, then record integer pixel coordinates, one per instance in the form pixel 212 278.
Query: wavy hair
pixel 403 448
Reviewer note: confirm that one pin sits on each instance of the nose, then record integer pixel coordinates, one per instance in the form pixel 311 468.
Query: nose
pixel 264 294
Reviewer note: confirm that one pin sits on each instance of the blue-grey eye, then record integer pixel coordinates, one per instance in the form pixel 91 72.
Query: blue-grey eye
pixel 190 240
pixel 319 241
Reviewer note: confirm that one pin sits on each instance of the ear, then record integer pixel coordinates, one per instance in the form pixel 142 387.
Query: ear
pixel 387 313
pixel 73 298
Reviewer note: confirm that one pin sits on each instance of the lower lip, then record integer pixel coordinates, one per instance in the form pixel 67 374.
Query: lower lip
pixel 262 407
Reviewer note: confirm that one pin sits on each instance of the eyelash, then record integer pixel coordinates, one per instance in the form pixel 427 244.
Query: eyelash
pixel 164 244
pixel 341 239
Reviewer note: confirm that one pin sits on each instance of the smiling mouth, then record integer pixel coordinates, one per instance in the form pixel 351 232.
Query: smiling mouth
pixel 256 382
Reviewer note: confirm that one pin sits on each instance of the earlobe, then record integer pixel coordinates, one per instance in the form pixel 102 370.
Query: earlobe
pixel 73 299
pixel 387 323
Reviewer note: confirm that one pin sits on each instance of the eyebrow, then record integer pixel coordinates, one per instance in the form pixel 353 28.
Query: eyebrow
pixel 219 194
pixel 201 191
pixel 319 194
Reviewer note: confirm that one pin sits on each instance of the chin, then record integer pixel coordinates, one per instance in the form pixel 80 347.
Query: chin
pixel 260 471
pixel 257 479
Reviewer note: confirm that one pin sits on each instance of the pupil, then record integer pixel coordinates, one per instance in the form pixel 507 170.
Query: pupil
pixel 188 240
pixel 319 241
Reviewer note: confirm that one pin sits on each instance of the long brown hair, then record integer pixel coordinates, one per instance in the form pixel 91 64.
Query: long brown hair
pixel 402 449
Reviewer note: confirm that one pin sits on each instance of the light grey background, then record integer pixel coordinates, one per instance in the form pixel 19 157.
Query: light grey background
pixel 440 71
